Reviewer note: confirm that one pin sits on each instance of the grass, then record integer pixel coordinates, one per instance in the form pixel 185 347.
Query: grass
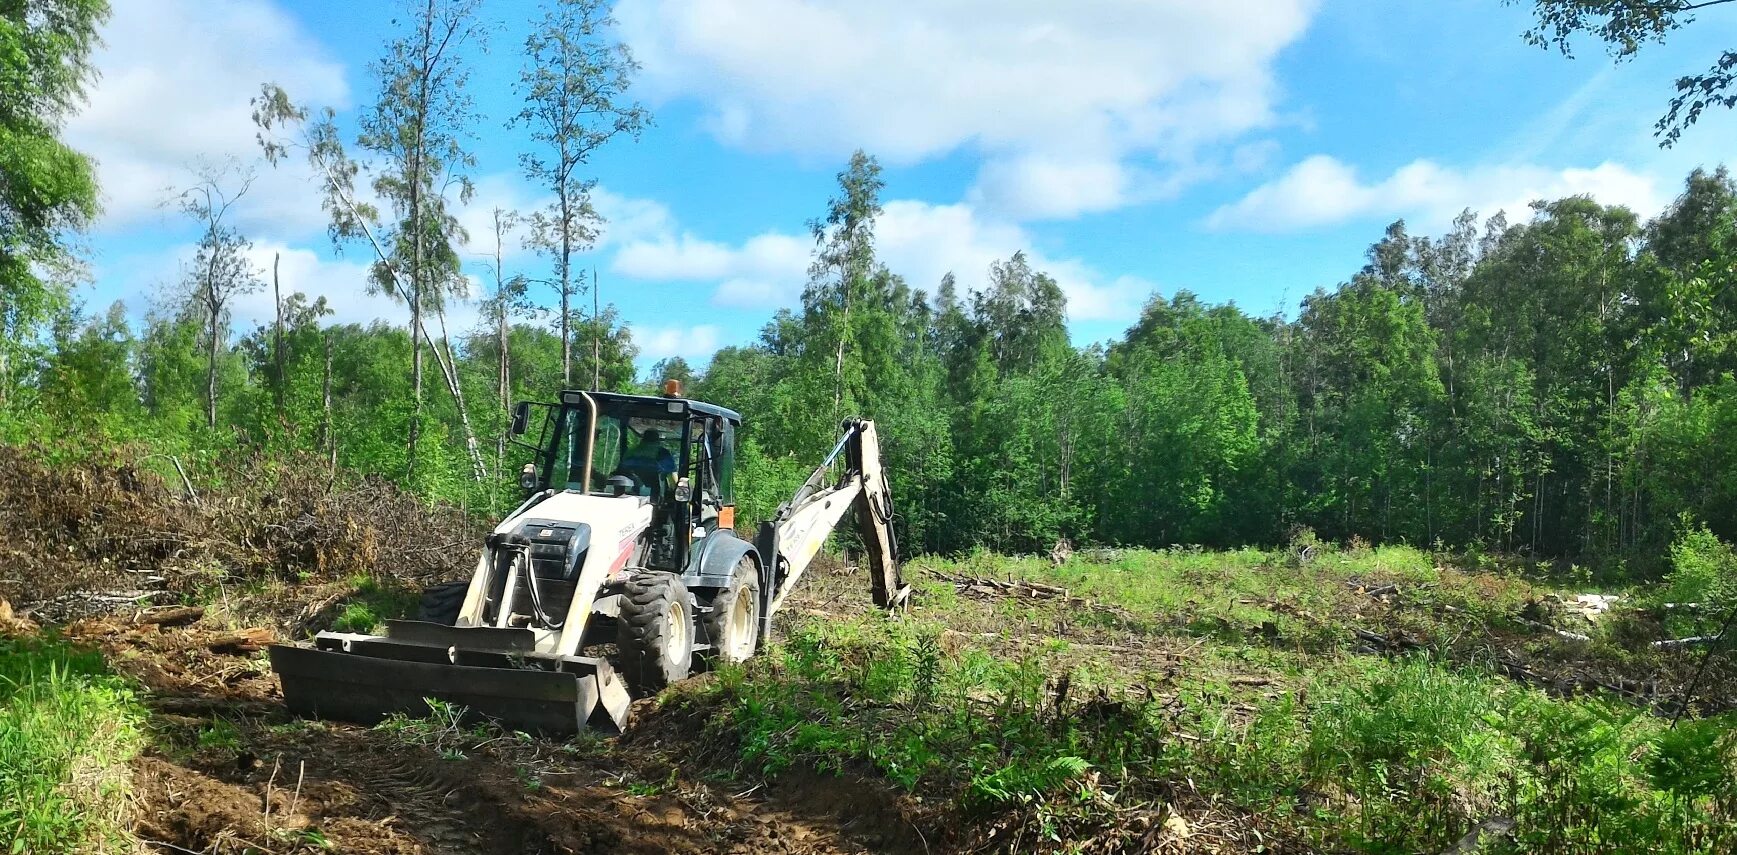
pixel 373 603
pixel 1225 689
pixel 67 731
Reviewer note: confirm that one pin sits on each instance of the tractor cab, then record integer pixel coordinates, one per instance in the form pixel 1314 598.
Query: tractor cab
pixel 675 453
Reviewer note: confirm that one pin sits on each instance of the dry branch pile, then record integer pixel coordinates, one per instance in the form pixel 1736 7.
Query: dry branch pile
pixel 106 536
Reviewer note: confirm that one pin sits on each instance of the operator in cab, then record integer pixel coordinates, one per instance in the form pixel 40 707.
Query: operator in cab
pixel 652 464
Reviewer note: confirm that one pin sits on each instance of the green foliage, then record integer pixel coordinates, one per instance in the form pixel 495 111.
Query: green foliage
pixel 46 188
pixel 442 729
pixel 1625 26
pixel 1703 570
pixel 67 731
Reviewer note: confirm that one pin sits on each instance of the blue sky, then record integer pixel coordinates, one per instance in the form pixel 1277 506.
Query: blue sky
pixel 1247 150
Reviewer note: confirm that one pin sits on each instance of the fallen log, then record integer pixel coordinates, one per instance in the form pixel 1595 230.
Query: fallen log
pixel 239 643
pixel 168 616
pixel 1691 641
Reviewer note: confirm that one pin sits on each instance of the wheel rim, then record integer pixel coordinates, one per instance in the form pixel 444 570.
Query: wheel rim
pixel 741 627
pixel 677 616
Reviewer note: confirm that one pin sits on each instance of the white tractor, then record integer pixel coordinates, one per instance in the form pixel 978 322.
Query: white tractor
pixel 620 573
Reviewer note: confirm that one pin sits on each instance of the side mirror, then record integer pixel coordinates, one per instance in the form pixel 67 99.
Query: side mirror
pixel 684 491
pixel 521 419
pixel 528 477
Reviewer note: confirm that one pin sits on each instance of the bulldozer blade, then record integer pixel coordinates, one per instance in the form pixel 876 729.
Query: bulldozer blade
pixel 367 678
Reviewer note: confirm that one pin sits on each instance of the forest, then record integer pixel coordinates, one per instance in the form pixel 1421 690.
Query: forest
pixel 1559 384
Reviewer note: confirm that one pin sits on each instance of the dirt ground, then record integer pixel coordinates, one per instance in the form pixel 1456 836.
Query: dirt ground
pixel 232 772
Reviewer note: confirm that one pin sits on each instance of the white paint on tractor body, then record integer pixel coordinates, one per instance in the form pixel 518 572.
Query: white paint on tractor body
pixel 616 525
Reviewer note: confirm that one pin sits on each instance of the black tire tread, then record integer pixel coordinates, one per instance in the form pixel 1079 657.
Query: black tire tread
pixel 441 603
pixel 641 629
pixel 745 577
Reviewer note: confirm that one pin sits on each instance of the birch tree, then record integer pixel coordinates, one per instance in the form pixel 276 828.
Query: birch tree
pixel 574 83
pixel 415 131
pixel 221 270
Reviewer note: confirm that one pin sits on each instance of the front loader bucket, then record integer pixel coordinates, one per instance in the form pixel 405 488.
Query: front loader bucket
pixel 365 678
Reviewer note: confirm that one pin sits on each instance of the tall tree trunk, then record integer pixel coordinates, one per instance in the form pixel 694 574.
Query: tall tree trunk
pixel 566 311
pixel 503 371
pixel 413 179
pixel 449 370
pixel 596 335
pixel 328 437
pixel 211 366
pixel 565 271
pixel 417 281
pixel 277 344
pixel 415 381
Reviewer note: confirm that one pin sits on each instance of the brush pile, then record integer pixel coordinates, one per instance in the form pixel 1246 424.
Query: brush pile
pixel 111 535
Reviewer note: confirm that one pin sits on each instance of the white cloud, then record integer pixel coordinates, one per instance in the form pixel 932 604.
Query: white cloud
pixel 1323 191
pixel 625 218
pixel 696 344
pixel 766 270
pixel 1070 96
pixel 917 240
pixel 176 76
pixel 924 242
pixel 1037 186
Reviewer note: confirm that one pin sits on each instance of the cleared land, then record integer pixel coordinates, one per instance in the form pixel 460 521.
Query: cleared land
pixel 1307 699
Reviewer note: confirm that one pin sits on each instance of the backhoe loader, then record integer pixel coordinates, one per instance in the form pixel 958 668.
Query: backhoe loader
pixel 620 573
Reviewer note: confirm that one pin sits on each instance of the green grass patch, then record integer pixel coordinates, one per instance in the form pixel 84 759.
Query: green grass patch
pixel 374 603
pixel 1366 754
pixel 67 731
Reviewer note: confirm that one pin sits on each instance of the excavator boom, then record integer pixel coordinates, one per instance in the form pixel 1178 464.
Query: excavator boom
pixel 800 528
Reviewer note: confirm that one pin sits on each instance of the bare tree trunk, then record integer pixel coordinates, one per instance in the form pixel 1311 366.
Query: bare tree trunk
pixel 503 371
pixel 413 175
pixel 417 273
pixel 277 346
pixel 415 382
pixel 328 432
pixel 566 274
pixel 449 369
pixel 596 335
pixel 566 332
pixel 211 366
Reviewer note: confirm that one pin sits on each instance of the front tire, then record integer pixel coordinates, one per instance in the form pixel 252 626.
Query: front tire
pixel 655 632
pixel 733 624
pixel 441 603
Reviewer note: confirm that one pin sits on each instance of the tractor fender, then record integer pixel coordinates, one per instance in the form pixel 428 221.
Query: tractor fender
pixel 710 566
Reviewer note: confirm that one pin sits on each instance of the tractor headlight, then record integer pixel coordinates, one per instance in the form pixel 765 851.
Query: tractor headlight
pixel 528 477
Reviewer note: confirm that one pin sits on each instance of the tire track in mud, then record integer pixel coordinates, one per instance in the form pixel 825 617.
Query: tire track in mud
pixel 425 804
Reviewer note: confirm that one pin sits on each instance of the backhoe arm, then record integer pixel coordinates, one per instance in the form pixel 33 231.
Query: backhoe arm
pixel 799 529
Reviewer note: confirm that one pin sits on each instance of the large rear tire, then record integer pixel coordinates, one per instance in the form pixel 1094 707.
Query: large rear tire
pixel 733 625
pixel 441 603
pixel 655 632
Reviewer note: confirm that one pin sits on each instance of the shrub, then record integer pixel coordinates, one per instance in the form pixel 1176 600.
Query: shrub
pixel 1703 569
